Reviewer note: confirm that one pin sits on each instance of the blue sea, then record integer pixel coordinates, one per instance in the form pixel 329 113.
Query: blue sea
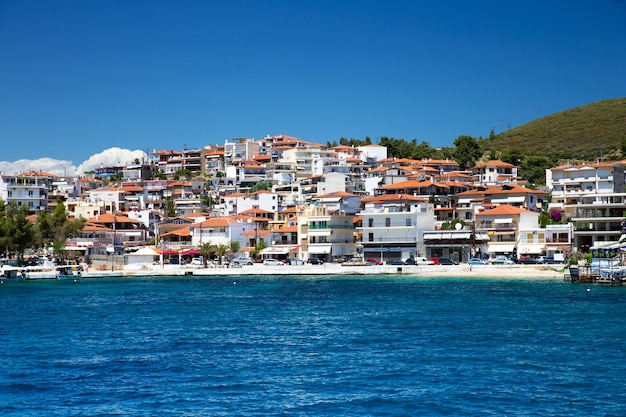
pixel 312 346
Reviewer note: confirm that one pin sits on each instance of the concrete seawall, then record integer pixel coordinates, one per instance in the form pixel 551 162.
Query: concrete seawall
pixel 510 271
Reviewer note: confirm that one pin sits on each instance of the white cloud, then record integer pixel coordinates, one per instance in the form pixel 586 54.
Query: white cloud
pixel 111 157
pixel 52 166
pixel 108 157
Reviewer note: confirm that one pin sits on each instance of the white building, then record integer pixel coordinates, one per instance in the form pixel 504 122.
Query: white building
pixel 393 226
pixel 593 197
pixel 27 189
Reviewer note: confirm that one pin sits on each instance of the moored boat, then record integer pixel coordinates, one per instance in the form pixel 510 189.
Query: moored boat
pixel 11 273
pixel 39 272
pixel 69 271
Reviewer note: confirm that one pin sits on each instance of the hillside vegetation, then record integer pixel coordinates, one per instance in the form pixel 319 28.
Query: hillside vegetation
pixel 588 133
pixel 581 134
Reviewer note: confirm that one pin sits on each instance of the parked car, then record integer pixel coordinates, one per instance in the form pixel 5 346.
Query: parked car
pixel 197 262
pixel 373 261
pixel 315 261
pixel 420 260
pixel 242 260
pixel 477 261
pixel 353 262
pixel 502 260
pixel 551 260
pixel 395 262
pixel 526 260
pixel 446 261
pixel 273 262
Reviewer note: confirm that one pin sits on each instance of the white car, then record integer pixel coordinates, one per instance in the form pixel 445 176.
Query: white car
pixel 197 262
pixel 273 262
pixel 502 260
pixel 242 260
pixel 423 261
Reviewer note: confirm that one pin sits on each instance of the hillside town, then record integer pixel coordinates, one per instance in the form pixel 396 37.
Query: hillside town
pixel 329 204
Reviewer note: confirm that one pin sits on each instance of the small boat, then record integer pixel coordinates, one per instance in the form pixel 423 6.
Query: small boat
pixel 39 272
pixel 12 273
pixel 42 268
pixel 69 272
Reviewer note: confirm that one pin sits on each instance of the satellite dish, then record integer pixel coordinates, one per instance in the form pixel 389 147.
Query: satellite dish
pixel 458 226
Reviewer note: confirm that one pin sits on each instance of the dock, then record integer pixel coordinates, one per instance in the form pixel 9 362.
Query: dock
pixel 584 274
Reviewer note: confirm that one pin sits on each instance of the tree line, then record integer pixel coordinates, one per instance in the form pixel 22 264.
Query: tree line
pixel 50 230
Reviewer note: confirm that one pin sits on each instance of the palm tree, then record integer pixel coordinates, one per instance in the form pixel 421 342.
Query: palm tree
pixel 206 249
pixel 235 246
pixel 220 251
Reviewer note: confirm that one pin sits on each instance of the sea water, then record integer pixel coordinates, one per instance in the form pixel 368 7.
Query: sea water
pixel 312 346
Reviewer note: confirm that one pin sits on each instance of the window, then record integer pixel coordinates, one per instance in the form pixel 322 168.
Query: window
pixel 370 223
pixel 408 221
pixel 370 237
pixel 387 222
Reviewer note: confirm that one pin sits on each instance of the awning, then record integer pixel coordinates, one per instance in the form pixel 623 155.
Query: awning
pixel 530 248
pixel 276 250
pixel 495 248
pixel 447 236
pixel 432 236
pixel 461 236
pixel 322 249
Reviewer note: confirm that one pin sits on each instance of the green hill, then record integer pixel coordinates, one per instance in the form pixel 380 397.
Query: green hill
pixel 585 133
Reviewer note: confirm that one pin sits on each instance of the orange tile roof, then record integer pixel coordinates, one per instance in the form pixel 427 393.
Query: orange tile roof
pixel 255 211
pixel 503 209
pixel 390 198
pixel 494 163
pixel 111 218
pixel 336 194
pixel 213 222
pixel 406 184
pixel 36 174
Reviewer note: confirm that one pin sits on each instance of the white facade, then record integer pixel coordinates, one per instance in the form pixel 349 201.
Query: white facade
pixel 326 235
pixel 593 197
pixel 372 153
pixel 394 229
pixel 26 190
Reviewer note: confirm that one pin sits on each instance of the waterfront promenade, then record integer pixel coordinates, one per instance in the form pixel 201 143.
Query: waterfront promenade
pixel 502 271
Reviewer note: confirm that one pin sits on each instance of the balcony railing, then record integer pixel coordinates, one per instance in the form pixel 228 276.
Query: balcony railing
pixel 328 226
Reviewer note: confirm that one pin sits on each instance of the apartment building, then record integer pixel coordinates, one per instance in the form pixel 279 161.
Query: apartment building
pixel 471 201
pixel 27 189
pixel 393 226
pixel 503 225
pixel 326 234
pixel 593 197
pixel 494 172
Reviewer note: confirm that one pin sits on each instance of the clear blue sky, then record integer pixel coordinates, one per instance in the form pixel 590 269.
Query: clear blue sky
pixel 77 77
